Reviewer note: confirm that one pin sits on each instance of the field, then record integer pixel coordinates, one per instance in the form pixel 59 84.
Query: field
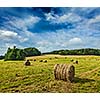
pixel 39 77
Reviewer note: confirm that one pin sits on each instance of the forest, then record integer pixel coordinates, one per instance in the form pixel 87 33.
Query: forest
pixel 86 51
pixel 20 54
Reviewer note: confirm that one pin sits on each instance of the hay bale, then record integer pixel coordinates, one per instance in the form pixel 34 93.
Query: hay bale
pixel 34 59
pixel 71 60
pixel 30 59
pixel 59 74
pixel 45 61
pixel 41 61
pixel 56 70
pixel 56 57
pixel 75 62
pixel 70 73
pixel 64 72
pixel 27 63
pixel 50 58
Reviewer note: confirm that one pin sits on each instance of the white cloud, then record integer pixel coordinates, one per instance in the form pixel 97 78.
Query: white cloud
pixel 11 45
pixel 94 23
pixel 22 39
pixel 70 17
pixel 61 39
pixel 43 43
pixel 49 16
pixel 7 34
pixel 22 24
pixel 82 35
pixel 93 20
pixel 4 46
pixel 75 40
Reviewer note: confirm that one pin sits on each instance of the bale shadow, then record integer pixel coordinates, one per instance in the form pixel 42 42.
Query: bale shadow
pixel 82 80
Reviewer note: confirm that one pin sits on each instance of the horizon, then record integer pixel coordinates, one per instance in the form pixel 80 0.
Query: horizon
pixel 54 50
pixel 49 28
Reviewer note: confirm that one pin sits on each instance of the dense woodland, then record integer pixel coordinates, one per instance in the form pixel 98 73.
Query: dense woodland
pixel 86 51
pixel 1 57
pixel 20 54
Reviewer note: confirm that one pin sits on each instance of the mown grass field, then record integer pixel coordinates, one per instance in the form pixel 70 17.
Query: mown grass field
pixel 39 77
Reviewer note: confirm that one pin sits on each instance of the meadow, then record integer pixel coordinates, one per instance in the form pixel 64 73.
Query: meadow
pixel 15 77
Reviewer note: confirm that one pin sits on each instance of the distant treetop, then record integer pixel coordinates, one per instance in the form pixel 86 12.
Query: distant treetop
pixel 20 54
pixel 86 51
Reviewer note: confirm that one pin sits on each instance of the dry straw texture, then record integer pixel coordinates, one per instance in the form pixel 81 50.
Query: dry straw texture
pixel 64 72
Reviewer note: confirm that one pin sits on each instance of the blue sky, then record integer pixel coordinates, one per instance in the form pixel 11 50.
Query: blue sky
pixel 50 28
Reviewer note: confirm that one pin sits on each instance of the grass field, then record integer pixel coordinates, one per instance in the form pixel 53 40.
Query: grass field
pixel 39 77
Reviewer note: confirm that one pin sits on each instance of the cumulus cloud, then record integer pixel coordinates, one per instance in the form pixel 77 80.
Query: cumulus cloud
pixel 69 17
pixel 60 39
pixel 93 20
pixel 15 31
pixel 5 35
pixel 50 31
pixel 94 23
pixel 49 16
pixel 75 41
pixel 22 39
pixel 23 23
pixel 4 46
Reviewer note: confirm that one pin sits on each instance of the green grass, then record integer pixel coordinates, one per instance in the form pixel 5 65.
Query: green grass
pixel 39 78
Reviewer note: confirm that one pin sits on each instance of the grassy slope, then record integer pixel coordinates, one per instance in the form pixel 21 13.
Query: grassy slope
pixel 15 77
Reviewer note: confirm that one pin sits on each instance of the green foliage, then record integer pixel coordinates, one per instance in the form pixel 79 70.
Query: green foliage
pixel 86 51
pixel 1 57
pixel 32 52
pixel 15 54
pixel 20 54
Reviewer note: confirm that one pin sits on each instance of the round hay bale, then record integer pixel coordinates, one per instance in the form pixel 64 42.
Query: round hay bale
pixel 64 72
pixel 45 61
pixel 50 58
pixel 63 69
pixel 27 63
pixel 34 59
pixel 71 60
pixel 70 73
pixel 56 57
pixel 56 70
pixel 59 73
pixel 75 62
pixel 41 61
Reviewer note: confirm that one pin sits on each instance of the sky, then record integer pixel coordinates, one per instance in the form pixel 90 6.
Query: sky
pixel 49 28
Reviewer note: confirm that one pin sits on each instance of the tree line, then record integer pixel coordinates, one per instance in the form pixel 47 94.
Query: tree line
pixel 2 57
pixel 86 51
pixel 20 54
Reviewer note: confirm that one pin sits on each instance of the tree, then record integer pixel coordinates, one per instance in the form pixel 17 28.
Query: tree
pixel 32 52
pixel 20 54
pixel 1 57
pixel 86 51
